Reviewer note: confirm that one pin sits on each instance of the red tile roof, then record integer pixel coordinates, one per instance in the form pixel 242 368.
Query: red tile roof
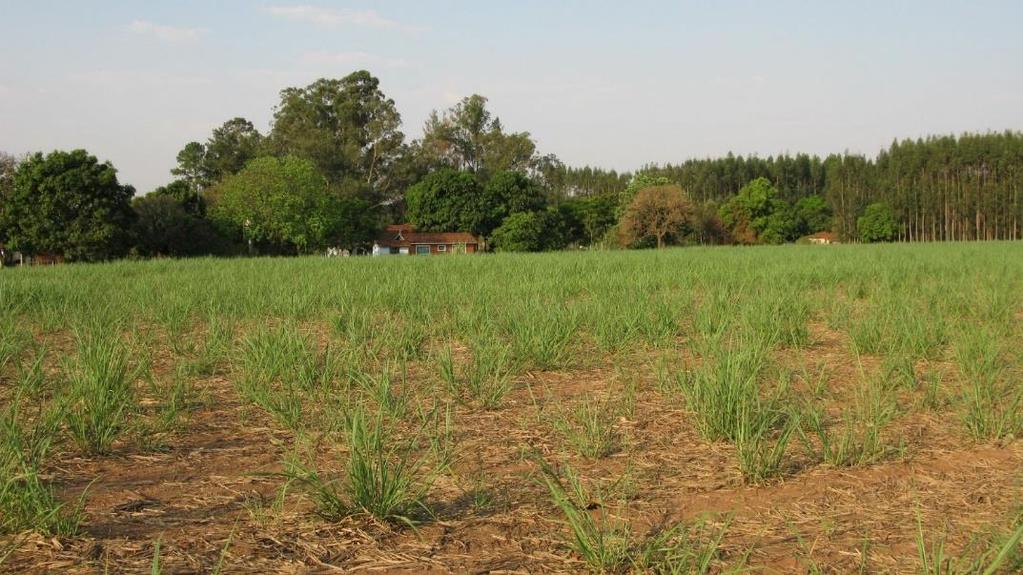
pixel 404 235
pixel 827 236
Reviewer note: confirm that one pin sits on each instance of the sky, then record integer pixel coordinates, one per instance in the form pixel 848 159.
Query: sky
pixel 604 83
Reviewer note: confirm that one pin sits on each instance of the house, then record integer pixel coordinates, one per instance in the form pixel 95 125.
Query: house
pixel 403 239
pixel 822 238
pixel 10 257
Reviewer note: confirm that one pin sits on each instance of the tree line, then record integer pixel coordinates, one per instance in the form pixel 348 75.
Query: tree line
pixel 335 167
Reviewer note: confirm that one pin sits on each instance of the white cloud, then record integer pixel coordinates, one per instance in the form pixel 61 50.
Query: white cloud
pixel 170 34
pixel 333 18
pixel 355 58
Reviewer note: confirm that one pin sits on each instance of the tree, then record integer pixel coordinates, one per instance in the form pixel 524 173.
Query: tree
pixel 447 200
pixel 534 231
pixel 67 203
pixel 164 227
pixel 657 212
pixel 468 137
pixel 813 214
pixel 520 232
pixel 708 227
pixel 181 192
pixel 285 204
pixel 193 168
pixel 757 215
pixel 594 215
pixel 505 194
pixel 348 128
pixel 230 147
pixel 877 224
pixel 8 166
pixel 639 182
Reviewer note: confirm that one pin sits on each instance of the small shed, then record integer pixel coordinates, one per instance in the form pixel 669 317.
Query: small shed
pixel 822 238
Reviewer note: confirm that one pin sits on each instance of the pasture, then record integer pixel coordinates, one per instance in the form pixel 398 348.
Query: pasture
pixel 839 409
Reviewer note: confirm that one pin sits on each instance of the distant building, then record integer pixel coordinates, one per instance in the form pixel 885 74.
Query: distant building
pixel 822 238
pixel 10 257
pixel 403 239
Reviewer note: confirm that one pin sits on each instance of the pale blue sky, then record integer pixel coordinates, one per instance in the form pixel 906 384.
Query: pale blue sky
pixel 606 83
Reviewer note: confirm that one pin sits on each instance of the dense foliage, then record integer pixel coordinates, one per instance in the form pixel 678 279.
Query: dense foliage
pixel 67 203
pixel 469 173
pixel 165 227
pixel 656 213
pixel 877 224
pixel 285 204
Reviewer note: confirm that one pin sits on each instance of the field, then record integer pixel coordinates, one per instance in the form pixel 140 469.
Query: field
pixel 794 409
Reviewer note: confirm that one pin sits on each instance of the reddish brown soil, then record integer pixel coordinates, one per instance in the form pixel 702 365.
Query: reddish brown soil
pixel 199 496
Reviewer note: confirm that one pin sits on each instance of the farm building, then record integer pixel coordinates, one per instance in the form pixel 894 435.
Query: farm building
pixel 822 238
pixel 405 240
pixel 10 257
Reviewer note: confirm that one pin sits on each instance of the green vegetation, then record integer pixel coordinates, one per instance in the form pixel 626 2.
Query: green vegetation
pixel 67 203
pixel 335 168
pixel 358 399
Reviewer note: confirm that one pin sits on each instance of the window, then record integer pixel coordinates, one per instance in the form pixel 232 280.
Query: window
pixel 442 248
pixel 422 250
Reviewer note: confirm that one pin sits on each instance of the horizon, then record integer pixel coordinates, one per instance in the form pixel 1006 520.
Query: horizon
pixel 659 83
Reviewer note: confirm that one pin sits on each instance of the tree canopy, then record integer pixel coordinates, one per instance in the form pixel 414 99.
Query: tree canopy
pixel 347 128
pixel 286 204
pixel 67 203
pixel 446 200
pixel 468 137
pixel 165 227
pixel 877 224
pixel 658 213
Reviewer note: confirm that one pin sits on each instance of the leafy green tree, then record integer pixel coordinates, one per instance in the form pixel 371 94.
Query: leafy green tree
pixel 285 204
pixel 780 225
pixel 534 231
pixel 230 147
pixel 193 167
pixel 468 137
pixel 659 213
pixel 8 166
pixel 521 232
pixel 348 128
pixel 813 214
pixel 508 193
pixel 447 200
pixel 591 216
pixel 877 224
pixel 70 204
pixel 164 227
pixel 757 215
pixel 181 192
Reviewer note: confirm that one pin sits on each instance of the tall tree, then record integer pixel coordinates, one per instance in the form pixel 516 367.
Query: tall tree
pixel 67 203
pixel 230 147
pixel 468 137
pixel 8 166
pixel 192 167
pixel 348 128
